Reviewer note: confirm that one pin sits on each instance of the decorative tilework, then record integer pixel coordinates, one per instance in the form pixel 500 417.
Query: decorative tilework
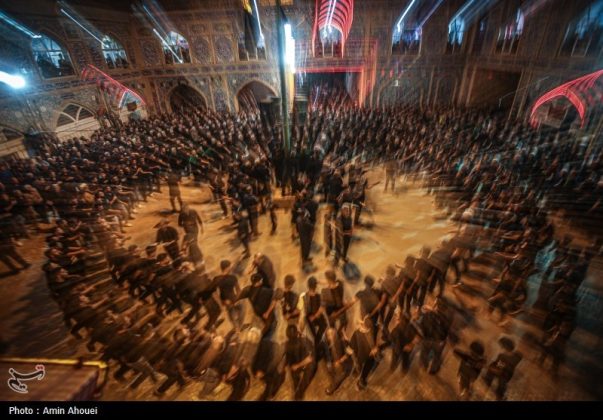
pixel 223 48
pixel 236 81
pixel 150 52
pixel 97 56
pixel 221 27
pixel 201 50
pixel 130 52
pixel 78 54
pixel 198 27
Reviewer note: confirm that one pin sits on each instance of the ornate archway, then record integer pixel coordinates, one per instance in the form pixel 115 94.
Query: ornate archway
pixel 186 96
pixel 11 143
pixel 75 120
pixel 251 94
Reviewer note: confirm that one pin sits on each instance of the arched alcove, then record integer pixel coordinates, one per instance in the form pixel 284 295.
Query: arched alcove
pixel 11 144
pixel 185 96
pixel 251 94
pixel 76 121
pixel 51 57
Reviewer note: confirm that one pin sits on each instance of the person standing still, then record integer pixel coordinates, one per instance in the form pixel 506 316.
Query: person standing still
pixel 173 181
pixel 391 172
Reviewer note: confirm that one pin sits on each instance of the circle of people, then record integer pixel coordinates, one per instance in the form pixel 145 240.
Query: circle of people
pixel 498 180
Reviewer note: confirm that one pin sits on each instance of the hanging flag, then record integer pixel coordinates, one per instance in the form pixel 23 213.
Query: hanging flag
pixel 250 38
pixel 247 6
pixel 251 24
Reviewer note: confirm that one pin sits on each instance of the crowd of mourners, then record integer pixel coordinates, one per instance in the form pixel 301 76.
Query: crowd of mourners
pixel 500 181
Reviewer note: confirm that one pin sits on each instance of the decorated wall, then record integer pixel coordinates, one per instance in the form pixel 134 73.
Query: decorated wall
pixel 217 71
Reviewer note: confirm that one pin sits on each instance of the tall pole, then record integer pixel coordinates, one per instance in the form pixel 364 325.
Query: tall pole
pixel 281 68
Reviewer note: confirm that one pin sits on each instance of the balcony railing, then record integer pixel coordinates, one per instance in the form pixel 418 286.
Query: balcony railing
pixel 352 49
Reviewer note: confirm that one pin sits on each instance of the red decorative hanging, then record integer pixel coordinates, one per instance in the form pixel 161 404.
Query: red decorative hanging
pixel 583 92
pixel 338 14
pixel 114 90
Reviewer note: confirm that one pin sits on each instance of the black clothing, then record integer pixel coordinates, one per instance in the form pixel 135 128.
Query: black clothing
pixel 266 270
pixel 339 364
pixel 268 360
pixel 228 285
pixel 166 234
pixel 469 369
pixel 312 303
pixel 290 301
pixel 296 351
pixel 502 369
pixel 332 299
pixel 362 342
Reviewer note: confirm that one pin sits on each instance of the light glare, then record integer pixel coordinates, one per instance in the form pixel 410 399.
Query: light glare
pixel 13 80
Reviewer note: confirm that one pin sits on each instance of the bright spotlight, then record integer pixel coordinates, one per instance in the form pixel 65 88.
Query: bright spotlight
pixel 289 48
pixel 13 80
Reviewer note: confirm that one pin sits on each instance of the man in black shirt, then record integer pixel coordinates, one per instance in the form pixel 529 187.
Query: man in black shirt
pixel 8 254
pixel 228 365
pixel 405 291
pixel 300 360
pixel 424 275
pixel 359 191
pixel 251 203
pixel 346 198
pixel 440 260
pixel 366 351
pixel 404 337
pixel 328 232
pixel 312 206
pixel 217 187
pixel 173 182
pixel 339 363
pixel 170 363
pixel 272 207
pixel 433 327
pixel 268 367
pixel 289 301
pixel 345 225
pixel 243 230
pixel 503 367
pixel 554 343
pixel 203 288
pixel 371 302
pixel 261 299
pixel 391 172
pixel 333 300
pixel 315 312
pixel 228 285
pixel 389 286
pixel 263 266
pixel 168 236
pixel 305 229
pixel 470 367
pixel 334 188
pixel 189 220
